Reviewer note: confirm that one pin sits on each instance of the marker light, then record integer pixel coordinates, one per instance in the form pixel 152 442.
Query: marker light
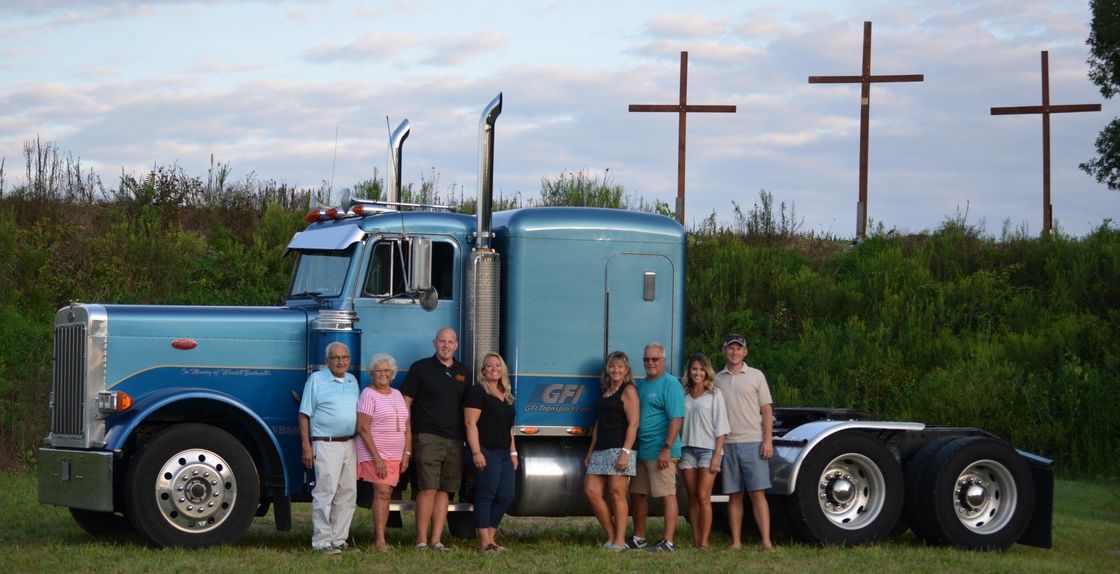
pixel 111 402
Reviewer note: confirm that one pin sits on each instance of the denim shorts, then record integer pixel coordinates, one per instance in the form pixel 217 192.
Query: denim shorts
pixel 695 457
pixel 743 469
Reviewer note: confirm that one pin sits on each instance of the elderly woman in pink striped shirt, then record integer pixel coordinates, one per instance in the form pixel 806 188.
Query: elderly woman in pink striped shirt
pixel 386 440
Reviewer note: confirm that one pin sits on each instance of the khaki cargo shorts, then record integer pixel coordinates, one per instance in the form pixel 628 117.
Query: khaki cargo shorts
pixel 653 481
pixel 437 462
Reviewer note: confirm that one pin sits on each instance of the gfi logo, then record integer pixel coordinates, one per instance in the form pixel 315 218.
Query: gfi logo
pixel 559 394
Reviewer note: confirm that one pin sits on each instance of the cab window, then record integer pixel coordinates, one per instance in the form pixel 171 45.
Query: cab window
pixel 319 274
pixel 387 274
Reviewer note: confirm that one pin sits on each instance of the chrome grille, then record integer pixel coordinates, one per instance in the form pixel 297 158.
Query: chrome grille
pixel 68 407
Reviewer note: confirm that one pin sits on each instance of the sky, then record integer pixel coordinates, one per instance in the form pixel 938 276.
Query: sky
pixel 304 93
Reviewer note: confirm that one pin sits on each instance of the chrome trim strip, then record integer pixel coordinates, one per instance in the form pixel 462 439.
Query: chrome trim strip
pixel 786 464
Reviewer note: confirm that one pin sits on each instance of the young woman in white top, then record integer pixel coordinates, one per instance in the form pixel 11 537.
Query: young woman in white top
pixel 705 426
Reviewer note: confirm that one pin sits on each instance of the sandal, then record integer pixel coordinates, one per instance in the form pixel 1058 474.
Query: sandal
pixel 421 545
pixel 439 547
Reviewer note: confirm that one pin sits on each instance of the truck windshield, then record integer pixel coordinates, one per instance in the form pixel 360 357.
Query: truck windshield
pixel 319 274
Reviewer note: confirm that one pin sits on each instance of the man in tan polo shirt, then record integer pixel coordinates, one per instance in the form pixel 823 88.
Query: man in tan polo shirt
pixel 749 446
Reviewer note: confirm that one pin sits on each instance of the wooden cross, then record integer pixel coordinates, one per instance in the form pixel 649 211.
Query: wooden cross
pixel 682 109
pixel 866 79
pixel 1046 109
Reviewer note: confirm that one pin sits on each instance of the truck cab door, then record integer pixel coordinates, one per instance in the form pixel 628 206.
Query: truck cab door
pixel 390 312
pixel 640 299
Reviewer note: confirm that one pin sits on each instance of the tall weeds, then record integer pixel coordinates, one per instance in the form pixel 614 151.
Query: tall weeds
pixel 1018 336
pixel 1021 338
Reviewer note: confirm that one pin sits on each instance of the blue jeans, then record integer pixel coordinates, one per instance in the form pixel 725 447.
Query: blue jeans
pixel 493 488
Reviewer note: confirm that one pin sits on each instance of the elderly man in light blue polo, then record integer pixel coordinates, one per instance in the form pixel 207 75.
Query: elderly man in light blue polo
pixel 327 421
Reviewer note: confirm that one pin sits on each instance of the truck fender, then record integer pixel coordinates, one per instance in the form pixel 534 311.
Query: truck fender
pixel 791 449
pixel 124 426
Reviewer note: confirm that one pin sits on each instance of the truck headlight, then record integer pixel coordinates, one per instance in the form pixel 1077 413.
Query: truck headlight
pixel 110 402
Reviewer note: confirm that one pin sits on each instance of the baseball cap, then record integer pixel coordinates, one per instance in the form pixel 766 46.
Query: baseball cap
pixel 734 338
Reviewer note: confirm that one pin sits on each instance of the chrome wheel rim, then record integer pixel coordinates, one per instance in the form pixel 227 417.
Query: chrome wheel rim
pixel 985 496
pixel 195 490
pixel 851 491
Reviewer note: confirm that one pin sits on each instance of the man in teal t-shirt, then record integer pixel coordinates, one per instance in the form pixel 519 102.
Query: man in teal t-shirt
pixel 661 399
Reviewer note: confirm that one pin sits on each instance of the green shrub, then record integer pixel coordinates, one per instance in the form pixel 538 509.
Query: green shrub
pixel 1020 337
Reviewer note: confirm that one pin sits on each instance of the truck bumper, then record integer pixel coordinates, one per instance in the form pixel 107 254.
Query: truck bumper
pixel 75 478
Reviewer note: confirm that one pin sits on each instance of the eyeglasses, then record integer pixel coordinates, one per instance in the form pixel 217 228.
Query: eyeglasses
pixel 382 371
pixel 338 358
pixel 651 359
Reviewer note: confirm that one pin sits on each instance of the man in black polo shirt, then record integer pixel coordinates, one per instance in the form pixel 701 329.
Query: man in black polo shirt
pixel 434 391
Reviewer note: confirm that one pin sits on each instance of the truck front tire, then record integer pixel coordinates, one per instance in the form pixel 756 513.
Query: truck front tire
pixel 849 491
pixel 192 485
pixel 103 525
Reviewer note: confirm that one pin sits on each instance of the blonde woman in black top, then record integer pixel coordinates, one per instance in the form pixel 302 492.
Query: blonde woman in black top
pixel 488 414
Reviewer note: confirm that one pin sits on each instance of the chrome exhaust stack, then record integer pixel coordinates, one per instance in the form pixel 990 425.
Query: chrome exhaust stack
pixel 483 290
pixel 396 145
pixel 486 170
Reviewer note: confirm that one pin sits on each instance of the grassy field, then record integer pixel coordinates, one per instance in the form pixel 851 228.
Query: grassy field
pixel 36 538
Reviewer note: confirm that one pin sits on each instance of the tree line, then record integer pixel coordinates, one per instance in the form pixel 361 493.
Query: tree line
pixel 1016 335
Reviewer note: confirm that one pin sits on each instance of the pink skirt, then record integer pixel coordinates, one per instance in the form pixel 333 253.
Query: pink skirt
pixel 367 471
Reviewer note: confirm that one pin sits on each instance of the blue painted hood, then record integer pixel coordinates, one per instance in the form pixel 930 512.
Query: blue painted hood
pixel 140 339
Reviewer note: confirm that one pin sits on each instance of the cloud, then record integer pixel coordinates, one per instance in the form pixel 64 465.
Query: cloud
pixel 758 28
pixel 402 48
pixel 455 51
pixel 66 12
pixel 372 46
pixel 684 26
pixel 792 139
pixel 270 103
pixel 85 9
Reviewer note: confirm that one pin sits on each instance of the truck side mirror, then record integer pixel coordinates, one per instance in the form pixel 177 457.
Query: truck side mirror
pixel 420 272
pixel 429 299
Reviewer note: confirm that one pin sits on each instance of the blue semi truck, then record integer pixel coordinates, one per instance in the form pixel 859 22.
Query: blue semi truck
pixel 180 423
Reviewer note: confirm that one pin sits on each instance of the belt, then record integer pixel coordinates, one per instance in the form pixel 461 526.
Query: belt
pixel 332 438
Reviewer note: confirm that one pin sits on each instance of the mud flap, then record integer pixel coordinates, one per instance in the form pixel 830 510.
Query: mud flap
pixel 1040 531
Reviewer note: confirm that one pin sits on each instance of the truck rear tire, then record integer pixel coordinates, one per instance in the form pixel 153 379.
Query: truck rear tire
pixel 849 491
pixel 915 470
pixel 192 485
pixel 103 525
pixel 978 494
